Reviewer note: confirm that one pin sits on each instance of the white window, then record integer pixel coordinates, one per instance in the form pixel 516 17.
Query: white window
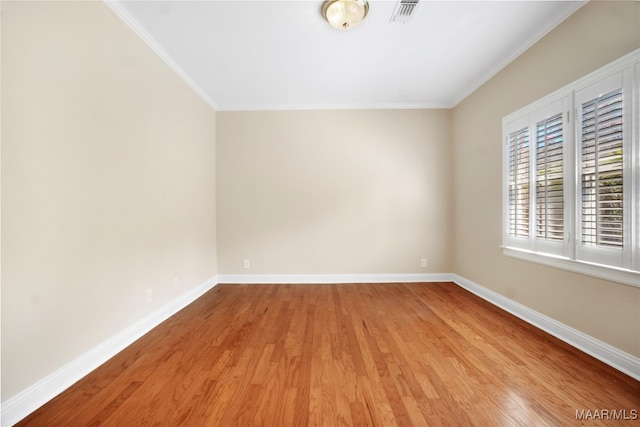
pixel 571 180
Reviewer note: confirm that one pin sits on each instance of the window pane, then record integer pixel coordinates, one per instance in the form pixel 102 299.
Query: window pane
pixel 602 183
pixel 549 179
pixel 519 183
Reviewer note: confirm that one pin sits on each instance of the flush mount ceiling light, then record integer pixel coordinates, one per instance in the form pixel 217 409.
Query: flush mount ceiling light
pixel 345 14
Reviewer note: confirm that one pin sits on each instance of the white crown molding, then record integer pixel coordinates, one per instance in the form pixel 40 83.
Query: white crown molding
pixel 604 352
pixel 139 30
pixel 331 278
pixel 305 107
pixel 27 401
pixel 544 30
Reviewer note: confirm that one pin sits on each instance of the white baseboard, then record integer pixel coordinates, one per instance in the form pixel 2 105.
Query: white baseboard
pixel 27 401
pixel 332 278
pixel 21 405
pixel 604 352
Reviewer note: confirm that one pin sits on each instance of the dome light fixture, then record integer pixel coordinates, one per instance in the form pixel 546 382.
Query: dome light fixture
pixel 345 14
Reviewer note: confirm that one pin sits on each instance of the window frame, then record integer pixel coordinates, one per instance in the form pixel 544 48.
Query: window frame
pixel 570 254
pixel 601 254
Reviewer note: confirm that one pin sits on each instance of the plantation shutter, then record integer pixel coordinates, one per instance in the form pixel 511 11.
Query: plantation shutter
pixel 602 170
pixel 518 142
pixel 570 176
pixel 550 179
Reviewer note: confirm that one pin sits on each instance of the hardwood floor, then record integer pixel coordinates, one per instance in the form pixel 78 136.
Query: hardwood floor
pixel 354 355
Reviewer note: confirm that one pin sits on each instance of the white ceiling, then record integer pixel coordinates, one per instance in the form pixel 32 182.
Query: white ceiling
pixel 264 54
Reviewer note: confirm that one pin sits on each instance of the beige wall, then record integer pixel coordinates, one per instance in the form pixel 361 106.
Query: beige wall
pixel 334 192
pixel 108 184
pixel 604 310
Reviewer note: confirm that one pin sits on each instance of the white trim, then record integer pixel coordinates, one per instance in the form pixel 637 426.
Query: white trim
pixel 27 401
pixel 481 80
pixel 618 275
pixel 604 352
pixel 24 403
pixel 139 30
pixel 331 278
pixel 348 106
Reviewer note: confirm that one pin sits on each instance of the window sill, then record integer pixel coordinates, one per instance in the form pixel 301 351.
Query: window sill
pixel 627 277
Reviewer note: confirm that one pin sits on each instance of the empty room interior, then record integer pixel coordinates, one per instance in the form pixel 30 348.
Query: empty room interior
pixel 268 213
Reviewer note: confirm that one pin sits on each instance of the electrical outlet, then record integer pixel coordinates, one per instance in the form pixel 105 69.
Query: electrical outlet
pixel 423 262
pixel 246 264
pixel 176 283
pixel 149 296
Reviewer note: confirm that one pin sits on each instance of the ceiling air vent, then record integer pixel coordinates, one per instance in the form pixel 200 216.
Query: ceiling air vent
pixel 403 11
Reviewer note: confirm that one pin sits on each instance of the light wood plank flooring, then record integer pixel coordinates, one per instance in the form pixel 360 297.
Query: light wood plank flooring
pixel 428 354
